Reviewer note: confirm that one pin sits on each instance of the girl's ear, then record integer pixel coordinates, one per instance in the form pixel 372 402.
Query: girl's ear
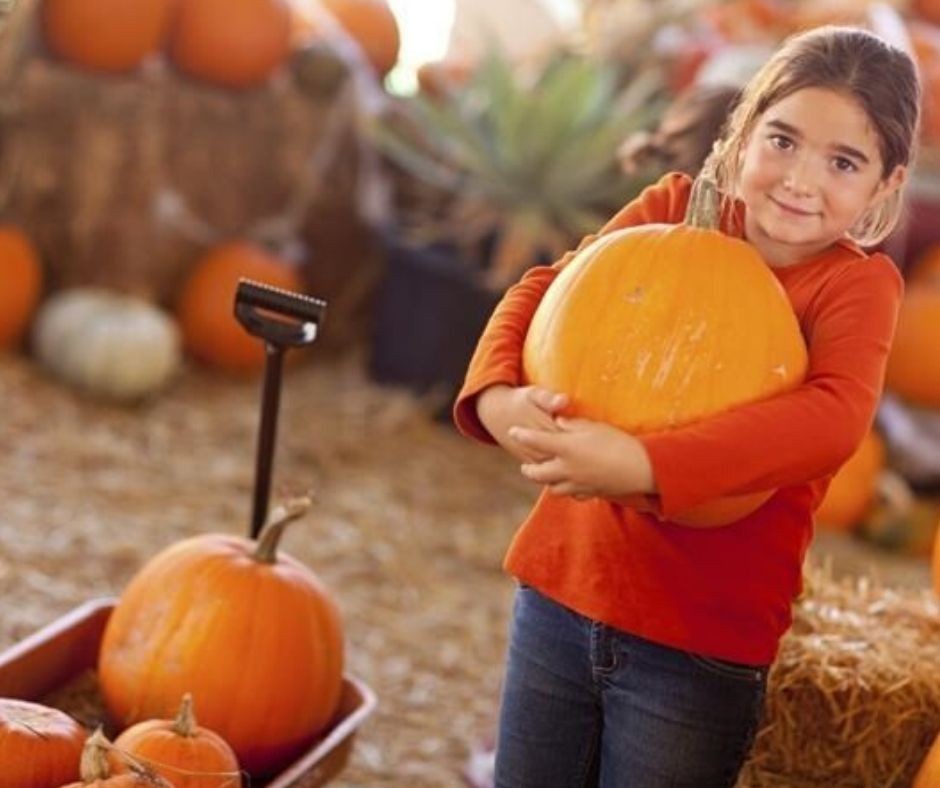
pixel 889 185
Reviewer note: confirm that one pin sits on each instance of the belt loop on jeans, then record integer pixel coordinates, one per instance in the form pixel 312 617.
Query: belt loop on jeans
pixel 603 657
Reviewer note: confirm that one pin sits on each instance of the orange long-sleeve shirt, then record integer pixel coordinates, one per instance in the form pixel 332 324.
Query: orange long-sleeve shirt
pixel 723 592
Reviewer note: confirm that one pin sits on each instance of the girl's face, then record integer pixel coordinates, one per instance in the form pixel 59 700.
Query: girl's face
pixel 811 168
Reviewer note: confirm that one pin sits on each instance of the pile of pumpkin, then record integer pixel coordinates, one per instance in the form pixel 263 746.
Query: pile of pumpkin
pixel 867 495
pixel 236 45
pixel 246 635
pixel 123 347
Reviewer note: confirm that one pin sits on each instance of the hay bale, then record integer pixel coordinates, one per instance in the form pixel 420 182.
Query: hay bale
pixel 854 696
pixel 124 180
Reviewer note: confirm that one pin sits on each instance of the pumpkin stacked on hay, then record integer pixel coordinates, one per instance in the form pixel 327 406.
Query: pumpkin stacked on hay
pixel 854 696
pixel 208 126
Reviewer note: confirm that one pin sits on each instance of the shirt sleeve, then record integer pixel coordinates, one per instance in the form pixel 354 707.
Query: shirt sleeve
pixel 808 432
pixel 498 355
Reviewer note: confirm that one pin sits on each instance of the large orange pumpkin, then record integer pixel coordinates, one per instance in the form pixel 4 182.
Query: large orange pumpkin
pixel 210 330
pixel 236 44
pixel 21 277
pixel 370 23
pixel 182 752
pixel 106 35
pixel 913 370
pixel 653 327
pixel 39 747
pixel 252 634
pixel 852 490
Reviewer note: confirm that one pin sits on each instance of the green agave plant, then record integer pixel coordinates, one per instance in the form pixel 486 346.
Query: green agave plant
pixel 520 165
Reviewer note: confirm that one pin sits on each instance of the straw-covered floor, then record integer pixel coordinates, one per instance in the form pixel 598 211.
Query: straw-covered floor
pixel 408 530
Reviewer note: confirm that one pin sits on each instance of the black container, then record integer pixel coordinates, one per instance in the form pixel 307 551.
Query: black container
pixel 430 311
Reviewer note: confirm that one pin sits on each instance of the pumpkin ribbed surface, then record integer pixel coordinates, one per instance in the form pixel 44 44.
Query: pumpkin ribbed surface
pixel 39 747
pixel 258 645
pixel 658 326
pixel 106 35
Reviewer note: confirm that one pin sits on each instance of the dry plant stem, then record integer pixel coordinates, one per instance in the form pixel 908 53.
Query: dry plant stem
pixel 704 204
pixel 94 764
pixel 270 538
pixel 185 722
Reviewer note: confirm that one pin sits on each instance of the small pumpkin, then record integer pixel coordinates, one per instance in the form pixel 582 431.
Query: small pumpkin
pixel 115 346
pixel 210 330
pixel 40 747
pixel 234 44
pixel 180 751
pixel 250 632
pixel 653 327
pixel 21 275
pixel 98 771
pixel 913 370
pixel 928 775
pixel 853 489
pixel 926 270
pixel 105 35
pixel 371 24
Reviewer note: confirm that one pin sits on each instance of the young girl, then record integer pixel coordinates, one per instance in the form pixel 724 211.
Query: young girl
pixel 639 647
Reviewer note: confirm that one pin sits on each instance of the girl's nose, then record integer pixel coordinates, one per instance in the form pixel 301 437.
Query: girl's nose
pixel 799 178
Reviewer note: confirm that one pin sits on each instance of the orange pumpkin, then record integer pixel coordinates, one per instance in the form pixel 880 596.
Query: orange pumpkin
pixel 210 330
pixel 852 490
pixel 98 771
pixel 105 35
pixel 658 326
pixel 370 23
pixel 252 634
pixel 926 270
pixel 39 747
pixel 182 752
pixel 927 9
pixel 913 370
pixel 235 44
pixel 21 274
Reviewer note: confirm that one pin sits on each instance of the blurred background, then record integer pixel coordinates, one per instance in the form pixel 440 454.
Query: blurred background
pixel 405 161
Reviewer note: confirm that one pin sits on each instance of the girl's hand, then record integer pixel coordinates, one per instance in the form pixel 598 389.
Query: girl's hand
pixel 586 459
pixel 500 407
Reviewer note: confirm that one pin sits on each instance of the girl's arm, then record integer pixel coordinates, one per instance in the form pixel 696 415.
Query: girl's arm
pixel 804 434
pixel 498 355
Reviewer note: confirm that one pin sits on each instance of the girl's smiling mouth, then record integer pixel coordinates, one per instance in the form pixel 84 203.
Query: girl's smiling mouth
pixel 791 210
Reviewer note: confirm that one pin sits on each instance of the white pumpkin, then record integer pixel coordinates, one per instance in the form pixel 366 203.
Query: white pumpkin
pixel 112 345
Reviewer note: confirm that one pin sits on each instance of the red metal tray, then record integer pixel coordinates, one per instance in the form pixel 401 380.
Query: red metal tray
pixel 66 648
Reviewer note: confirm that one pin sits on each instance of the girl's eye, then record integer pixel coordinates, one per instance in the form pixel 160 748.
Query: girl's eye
pixel 781 142
pixel 844 165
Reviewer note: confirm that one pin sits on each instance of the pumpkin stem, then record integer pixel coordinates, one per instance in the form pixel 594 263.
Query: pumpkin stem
pixel 270 537
pixel 185 722
pixel 94 765
pixel 704 209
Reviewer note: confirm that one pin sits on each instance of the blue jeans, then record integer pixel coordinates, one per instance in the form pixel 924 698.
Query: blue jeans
pixel 588 705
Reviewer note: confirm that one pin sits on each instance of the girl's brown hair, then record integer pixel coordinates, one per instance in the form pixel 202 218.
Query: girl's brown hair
pixel 881 77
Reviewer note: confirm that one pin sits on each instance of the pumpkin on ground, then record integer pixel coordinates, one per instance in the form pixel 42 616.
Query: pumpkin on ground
pixel 252 634
pixel 913 370
pixel 654 327
pixel 180 751
pixel 111 345
pixel 854 486
pixel 39 747
pixel 21 275
pixel 237 45
pixel 98 768
pixel 106 35
pixel 210 330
